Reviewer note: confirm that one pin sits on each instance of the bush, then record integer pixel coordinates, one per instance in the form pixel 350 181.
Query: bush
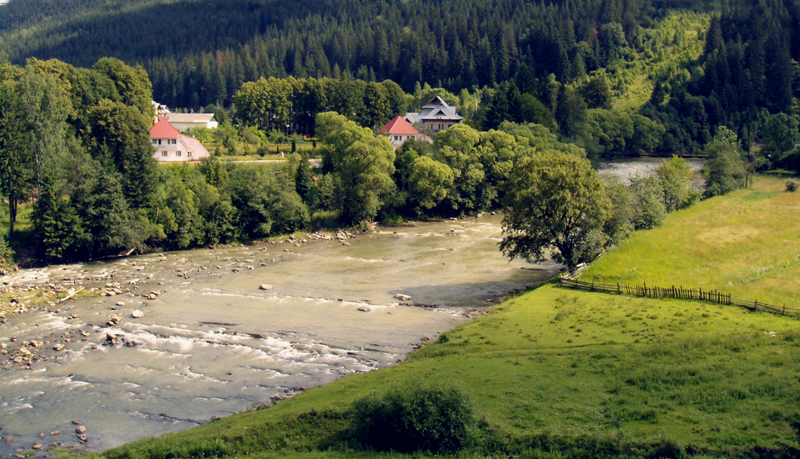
pixel 426 417
pixel 791 186
pixel 263 150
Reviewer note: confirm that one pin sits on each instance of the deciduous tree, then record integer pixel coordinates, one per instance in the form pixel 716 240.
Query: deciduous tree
pixel 554 202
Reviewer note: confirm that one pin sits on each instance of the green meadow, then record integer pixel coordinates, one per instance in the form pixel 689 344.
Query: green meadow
pixel 745 243
pixel 556 373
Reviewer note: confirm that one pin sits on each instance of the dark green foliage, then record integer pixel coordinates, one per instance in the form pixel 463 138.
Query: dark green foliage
pixel 58 228
pixel 554 203
pixel 791 186
pixel 648 204
pixel 15 170
pixel 118 134
pixel 725 169
pixel 427 417
pixel 596 93
pixel 570 112
pixel 213 50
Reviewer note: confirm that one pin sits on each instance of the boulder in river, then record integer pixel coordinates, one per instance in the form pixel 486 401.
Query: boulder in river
pixel 402 297
pixel 137 314
pixel 114 320
pixel 265 287
pixel 80 429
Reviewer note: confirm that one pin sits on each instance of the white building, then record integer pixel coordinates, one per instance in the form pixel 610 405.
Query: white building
pixel 184 121
pixel 398 130
pixel 435 116
pixel 171 145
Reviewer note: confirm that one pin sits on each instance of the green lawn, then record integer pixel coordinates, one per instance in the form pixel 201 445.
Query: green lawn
pixel 559 373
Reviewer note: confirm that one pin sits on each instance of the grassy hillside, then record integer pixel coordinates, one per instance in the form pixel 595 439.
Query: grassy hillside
pixel 745 243
pixel 559 373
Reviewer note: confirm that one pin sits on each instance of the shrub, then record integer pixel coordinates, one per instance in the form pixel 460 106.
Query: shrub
pixel 426 417
pixel 791 186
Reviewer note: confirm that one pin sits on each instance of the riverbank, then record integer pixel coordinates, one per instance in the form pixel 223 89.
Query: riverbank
pixel 225 328
pixel 555 373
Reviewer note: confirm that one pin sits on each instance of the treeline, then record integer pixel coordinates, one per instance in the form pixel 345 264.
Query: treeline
pixel 201 53
pixel 75 145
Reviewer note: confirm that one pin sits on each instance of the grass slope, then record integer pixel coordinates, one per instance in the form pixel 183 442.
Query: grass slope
pixel 745 243
pixel 559 373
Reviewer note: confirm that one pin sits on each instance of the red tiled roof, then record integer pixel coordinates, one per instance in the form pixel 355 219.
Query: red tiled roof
pixel 399 126
pixel 164 130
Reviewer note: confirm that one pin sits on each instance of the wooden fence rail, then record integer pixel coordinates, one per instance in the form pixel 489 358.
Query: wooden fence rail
pixel 711 296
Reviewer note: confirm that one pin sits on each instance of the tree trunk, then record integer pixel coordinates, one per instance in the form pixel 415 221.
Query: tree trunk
pixel 12 214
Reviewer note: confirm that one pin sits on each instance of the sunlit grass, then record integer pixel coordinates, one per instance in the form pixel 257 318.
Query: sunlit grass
pixel 560 373
pixel 745 243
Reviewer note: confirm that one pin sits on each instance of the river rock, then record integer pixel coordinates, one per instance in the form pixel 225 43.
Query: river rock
pixel 80 429
pixel 364 309
pixel 114 320
pixel 55 432
pixel 58 347
pixel 37 446
pixel 120 303
pixel 137 314
pixel 402 297
pixel 265 287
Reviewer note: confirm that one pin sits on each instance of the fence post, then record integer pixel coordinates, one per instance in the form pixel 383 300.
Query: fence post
pixel 618 289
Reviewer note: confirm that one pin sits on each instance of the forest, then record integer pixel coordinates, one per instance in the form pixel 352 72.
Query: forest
pixel 582 78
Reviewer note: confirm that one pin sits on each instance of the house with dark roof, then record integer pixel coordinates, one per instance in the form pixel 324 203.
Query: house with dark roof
pixel 435 116
pixel 171 145
pixel 398 130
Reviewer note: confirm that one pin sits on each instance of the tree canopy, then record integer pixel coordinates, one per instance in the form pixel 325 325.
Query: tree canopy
pixel 555 205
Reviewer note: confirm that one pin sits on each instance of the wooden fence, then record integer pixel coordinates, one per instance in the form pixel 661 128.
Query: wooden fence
pixel 711 296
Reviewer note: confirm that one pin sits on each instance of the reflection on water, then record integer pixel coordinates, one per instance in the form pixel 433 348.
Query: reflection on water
pixel 211 342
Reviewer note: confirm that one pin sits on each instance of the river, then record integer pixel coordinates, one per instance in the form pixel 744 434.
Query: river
pixel 211 342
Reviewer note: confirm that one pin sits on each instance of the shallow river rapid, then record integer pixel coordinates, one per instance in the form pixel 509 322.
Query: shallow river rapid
pixel 212 343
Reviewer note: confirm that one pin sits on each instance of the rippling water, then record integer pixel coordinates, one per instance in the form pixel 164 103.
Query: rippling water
pixel 213 343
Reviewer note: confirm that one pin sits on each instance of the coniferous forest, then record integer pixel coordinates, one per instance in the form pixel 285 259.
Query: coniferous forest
pixel 585 77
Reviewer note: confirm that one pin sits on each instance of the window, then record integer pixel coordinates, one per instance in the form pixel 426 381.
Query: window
pixel 159 141
pixel 396 138
pixel 178 153
pixel 164 153
pixel 189 154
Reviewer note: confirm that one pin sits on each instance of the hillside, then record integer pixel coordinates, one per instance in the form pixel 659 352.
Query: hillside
pixel 210 48
pixel 560 373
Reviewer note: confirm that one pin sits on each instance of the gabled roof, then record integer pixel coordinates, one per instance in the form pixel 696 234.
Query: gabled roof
pixel 164 130
pixel 399 126
pixel 437 109
pixel 190 117
pixel 435 102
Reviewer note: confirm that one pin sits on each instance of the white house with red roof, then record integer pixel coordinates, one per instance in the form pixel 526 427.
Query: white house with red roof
pixel 399 130
pixel 171 145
